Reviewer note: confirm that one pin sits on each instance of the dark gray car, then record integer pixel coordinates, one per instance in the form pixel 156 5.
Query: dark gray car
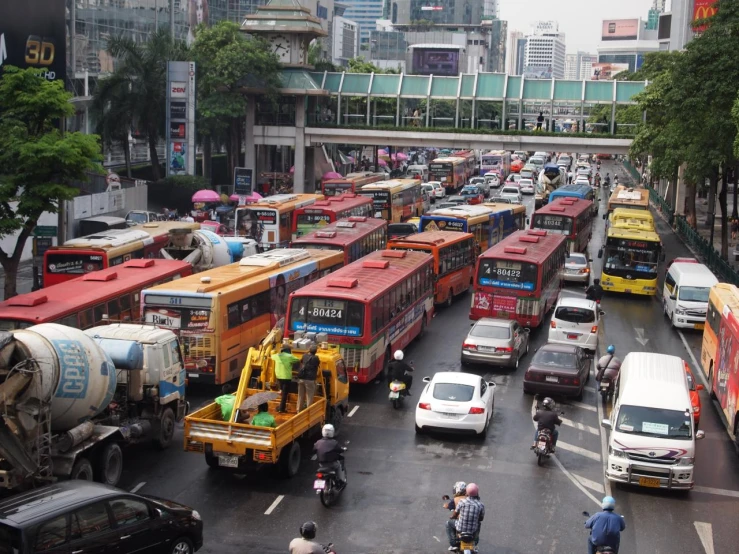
pixel 495 341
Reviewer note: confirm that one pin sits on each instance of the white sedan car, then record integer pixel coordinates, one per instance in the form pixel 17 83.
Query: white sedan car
pixel 575 321
pixel 513 193
pixel 526 186
pixel 455 402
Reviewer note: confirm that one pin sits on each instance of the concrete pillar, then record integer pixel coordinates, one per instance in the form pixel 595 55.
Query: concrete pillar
pixel 680 191
pixel 250 154
pixel 310 168
pixel 299 175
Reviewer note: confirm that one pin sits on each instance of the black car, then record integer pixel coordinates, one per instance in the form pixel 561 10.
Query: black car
pixel 90 518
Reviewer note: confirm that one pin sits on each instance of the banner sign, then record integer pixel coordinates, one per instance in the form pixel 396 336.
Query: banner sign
pixel 181 118
pixel 703 9
pixel 243 181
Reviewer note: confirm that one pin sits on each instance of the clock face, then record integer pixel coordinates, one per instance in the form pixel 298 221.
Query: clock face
pixel 280 45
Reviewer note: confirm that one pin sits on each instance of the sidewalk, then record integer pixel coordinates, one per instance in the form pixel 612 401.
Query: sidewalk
pixel 24 282
pixel 701 212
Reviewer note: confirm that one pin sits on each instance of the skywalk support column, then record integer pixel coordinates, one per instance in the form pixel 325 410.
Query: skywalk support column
pixel 299 175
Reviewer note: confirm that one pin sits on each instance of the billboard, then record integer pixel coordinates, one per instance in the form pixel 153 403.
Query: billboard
pixel 702 9
pixel 607 71
pixel 33 34
pixel 620 29
pixel 428 61
pixel 537 72
pixel 181 118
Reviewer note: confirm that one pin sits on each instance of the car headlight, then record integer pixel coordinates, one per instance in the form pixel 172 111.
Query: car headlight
pixel 679 311
pixel 686 461
pixel 196 515
pixel 617 453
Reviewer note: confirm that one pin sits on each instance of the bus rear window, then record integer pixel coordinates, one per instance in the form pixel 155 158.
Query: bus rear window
pixel 557 223
pixel 325 315
pixel 73 263
pixel 11 324
pixel 507 274
pixel 314 219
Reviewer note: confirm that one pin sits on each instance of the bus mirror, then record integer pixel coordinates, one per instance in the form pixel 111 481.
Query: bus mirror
pixel 600 253
pixel 662 257
pixel 673 297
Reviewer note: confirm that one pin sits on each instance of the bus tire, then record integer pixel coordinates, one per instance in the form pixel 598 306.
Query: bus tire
pixel 449 299
pixel 710 381
pixel 422 332
pixel 289 463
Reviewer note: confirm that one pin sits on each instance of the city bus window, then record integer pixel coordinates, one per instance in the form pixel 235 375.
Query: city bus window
pixel 86 319
pixel 98 313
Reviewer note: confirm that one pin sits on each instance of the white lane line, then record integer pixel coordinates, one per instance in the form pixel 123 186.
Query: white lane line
pixel 705 534
pixel 137 488
pixel 697 369
pixel 720 492
pixel 603 445
pixel 354 411
pixel 274 504
pixel 587 483
pixel 580 426
pixel 569 475
pixel 581 405
pixel 577 450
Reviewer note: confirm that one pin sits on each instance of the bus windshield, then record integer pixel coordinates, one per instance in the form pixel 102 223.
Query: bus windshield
pixel 73 263
pixel 326 315
pixel 334 189
pixel 313 219
pixel 380 198
pixel 624 257
pixel 654 422
pixel 507 274
pixel 560 224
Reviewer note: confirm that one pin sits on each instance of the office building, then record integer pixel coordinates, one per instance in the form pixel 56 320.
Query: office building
pixel 579 66
pixel 512 54
pixel 571 68
pixel 624 42
pixel 544 56
pixel 345 40
pixel 442 12
pixel 365 13
pixel 675 26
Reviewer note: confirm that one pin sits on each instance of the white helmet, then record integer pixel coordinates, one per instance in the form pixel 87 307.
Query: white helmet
pixel 328 431
pixel 398 355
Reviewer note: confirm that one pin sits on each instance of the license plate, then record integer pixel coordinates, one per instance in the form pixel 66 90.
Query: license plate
pixel 604 386
pixel 486 348
pixel 542 444
pixel 448 416
pixel 551 379
pixel 193 375
pixel 628 291
pixel 228 461
pixel 649 482
pixel 699 325
pixel 573 336
pixel 502 313
pixel 394 395
pixel 319 484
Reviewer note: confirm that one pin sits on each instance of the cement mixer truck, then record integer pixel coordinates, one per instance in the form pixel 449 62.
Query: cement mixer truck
pixel 205 250
pixel 69 399
pixel 550 179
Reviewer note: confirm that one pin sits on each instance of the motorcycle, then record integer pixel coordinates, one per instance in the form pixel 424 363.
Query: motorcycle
pixel 607 382
pixel 326 484
pixel 543 448
pixel 600 549
pixel 397 392
pixel 466 543
pixel 329 548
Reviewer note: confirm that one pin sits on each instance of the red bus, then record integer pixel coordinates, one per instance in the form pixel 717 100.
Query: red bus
pixel 322 212
pixel 106 249
pixel 355 236
pixel 351 183
pixel 454 260
pixel 371 308
pixel 112 294
pixel 520 277
pixel 570 217
pixel 470 162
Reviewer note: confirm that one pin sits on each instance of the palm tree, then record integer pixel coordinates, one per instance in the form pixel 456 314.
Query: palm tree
pixel 113 112
pixel 140 77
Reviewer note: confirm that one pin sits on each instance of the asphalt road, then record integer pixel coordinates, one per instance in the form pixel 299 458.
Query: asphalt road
pixel 396 478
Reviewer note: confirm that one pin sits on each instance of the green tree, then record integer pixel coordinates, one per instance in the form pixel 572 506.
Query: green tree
pixel 227 62
pixel 141 76
pixel 113 110
pixel 38 161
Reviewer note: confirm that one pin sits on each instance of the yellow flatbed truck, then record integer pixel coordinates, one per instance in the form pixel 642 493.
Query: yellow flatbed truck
pixel 242 446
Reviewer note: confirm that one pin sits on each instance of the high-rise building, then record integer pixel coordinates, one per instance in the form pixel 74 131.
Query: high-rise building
pixel 545 51
pixel 512 52
pixel 624 42
pixel 442 12
pixel 571 66
pixel 520 56
pixel 345 41
pixel 365 13
pixel 579 66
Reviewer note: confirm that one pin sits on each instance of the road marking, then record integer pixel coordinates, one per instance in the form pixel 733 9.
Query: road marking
pixel 580 426
pixel 603 445
pixel 705 534
pixel 581 405
pixel 569 475
pixel 587 483
pixel 274 504
pixel 577 450
pixel 640 337
pixel 354 411
pixel 696 366
pixel 137 488
pixel 720 492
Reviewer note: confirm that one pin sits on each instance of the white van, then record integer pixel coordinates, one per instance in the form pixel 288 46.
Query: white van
pixel 685 294
pixel 652 442
pixel 422 170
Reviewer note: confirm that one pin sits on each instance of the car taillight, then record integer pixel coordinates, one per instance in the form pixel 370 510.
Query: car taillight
pixel 576 381
pixel 469 346
pixel 477 410
pixel 424 405
pixel 594 329
pixel 553 324
pixel 504 349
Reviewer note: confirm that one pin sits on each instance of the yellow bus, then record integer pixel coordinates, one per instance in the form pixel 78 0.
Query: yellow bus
pixel 632 198
pixel 722 301
pixel 518 212
pixel 629 218
pixel 270 221
pixel 219 314
pixel 396 200
pixel 631 258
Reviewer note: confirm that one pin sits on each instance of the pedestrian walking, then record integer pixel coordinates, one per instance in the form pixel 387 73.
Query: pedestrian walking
pixel 307 377
pixel 734 228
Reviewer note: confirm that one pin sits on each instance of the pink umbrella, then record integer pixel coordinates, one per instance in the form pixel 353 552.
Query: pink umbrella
pixel 292 169
pixel 381 162
pixel 206 195
pixel 234 198
pixel 382 152
pixel 392 157
pixel 332 175
pixel 401 156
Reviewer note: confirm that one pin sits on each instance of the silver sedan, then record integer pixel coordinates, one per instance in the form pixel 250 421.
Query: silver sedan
pixel 577 268
pixel 496 341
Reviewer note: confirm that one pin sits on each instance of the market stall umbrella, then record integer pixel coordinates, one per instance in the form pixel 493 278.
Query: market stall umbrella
pixel 206 195
pixel 259 398
pixel 332 175
pixel 401 156
pixel 234 198
pixel 382 152
pixel 381 162
pixel 253 197
pixel 292 169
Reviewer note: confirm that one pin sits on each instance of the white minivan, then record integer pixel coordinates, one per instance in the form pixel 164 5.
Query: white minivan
pixel 422 170
pixel 652 439
pixel 685 294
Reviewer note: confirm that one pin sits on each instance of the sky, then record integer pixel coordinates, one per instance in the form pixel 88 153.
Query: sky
pixel 580 20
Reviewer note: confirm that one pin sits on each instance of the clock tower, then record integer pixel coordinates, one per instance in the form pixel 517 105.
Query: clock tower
pixel 288 28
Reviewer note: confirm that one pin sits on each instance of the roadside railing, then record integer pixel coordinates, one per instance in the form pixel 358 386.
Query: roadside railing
pixel 662 205
pixel 708 254
pixel 632 170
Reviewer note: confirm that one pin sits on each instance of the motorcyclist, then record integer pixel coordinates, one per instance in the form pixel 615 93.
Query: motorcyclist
pixel 329 453
pixel 467 517
pixel 547 419
pixel 615 179
pixel 607 180
pixel 605 527
pixel 400 371
pixel 305 544
pixel 594 291
pixel 608 365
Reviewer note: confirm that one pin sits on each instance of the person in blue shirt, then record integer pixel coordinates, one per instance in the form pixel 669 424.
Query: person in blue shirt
pixel 605 527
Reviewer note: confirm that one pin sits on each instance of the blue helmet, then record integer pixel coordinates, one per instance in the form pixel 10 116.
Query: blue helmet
pixel 608 503
pixel 611 350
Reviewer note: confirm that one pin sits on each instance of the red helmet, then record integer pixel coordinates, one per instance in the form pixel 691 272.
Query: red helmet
pixel 472 490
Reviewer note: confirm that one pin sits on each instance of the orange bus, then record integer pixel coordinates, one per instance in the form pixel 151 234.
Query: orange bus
pixel 470 162
pixel 454 260
pixel 451 172
pixel 520 277
pixel 351 183
pixel 220 313
pixel 112 294
pixel 355 236
pixel 322 212
pixel 571 217
pixel 396 200
pixel 106 249
pixel 371 308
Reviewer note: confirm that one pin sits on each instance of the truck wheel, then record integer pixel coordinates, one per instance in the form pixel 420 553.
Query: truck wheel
pixel 164 429
pixel 290 459
pixel 82 470
pixel 212 461
pixel 110 465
